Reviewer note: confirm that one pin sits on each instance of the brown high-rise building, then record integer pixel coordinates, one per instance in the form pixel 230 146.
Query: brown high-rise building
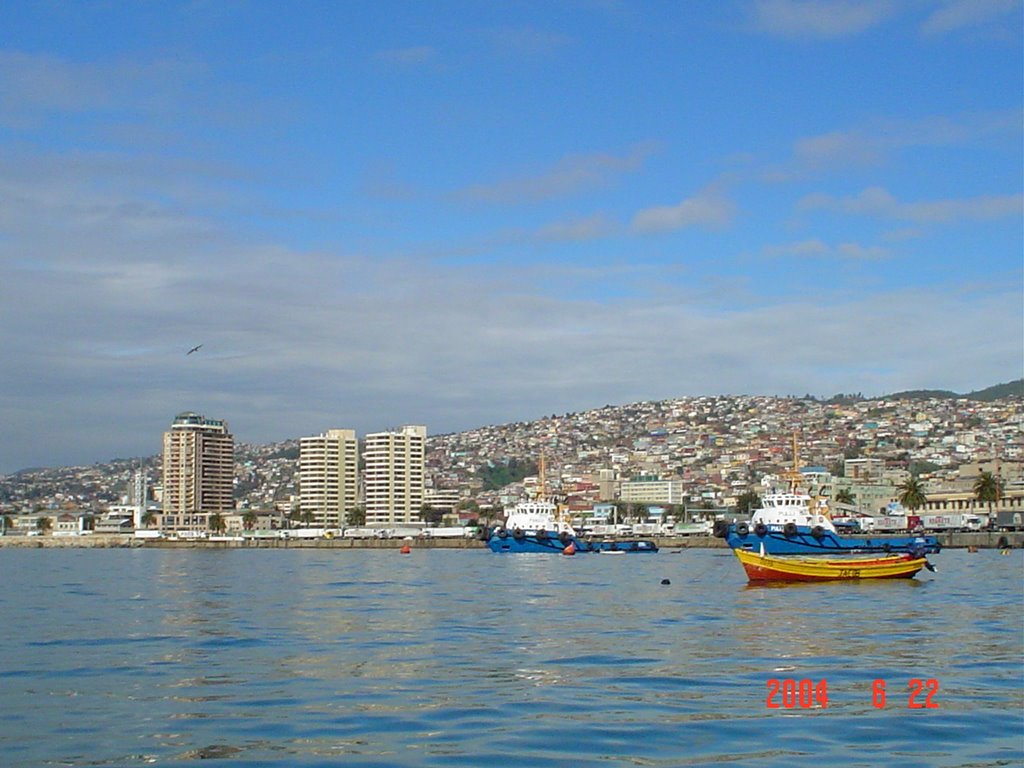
pixel 198 476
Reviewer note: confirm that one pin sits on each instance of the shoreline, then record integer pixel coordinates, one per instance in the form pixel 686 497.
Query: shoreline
pixel 979 539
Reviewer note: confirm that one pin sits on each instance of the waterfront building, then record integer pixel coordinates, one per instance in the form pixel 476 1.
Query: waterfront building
pixel 606 484
pixel 393 476
pixel 648 490
pixel 198 472
pixel 328 477
pixel 443 499
pixel 863 469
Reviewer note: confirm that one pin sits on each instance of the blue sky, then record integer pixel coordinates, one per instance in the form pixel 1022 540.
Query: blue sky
pixel 467 213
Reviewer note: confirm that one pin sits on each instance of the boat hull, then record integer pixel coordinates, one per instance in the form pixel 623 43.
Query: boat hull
pixel 529 542
pixel 765 568
pixel 803 542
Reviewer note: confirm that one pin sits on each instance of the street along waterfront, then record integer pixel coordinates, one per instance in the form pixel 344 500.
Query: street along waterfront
pixel 459 657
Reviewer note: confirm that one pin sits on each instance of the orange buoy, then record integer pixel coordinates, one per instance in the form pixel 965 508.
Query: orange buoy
pixel 571 549
pixel 405 550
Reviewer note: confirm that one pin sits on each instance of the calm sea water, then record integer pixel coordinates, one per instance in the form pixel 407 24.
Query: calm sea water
pixel 466 658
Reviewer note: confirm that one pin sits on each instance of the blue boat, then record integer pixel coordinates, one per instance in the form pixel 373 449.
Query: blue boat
pixel 792 539
pixel 537 526
pixel 791 522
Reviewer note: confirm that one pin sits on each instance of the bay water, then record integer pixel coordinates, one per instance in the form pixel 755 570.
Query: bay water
pixel 304 657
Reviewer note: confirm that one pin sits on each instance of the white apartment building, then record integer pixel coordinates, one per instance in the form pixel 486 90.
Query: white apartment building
pixel 198 472
pixel 328 477
pixel 443 499
pixel 393 476
pixel 648 491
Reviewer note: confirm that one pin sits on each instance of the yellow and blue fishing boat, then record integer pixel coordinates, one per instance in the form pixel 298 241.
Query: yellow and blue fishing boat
pixel 762 567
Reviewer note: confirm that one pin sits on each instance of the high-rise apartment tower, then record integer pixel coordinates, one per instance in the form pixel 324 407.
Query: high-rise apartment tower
pixel 198 472
pixel 393 476
pixel 328 477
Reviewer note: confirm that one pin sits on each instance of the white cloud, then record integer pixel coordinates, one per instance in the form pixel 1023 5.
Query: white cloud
pixel 708 209
pixel 879 202
pixel 815 248
pixel 875 141
pixel 34 86
pixel 413 55
pixel 579 229
pixel 955 15
pixel 527 41
pixel 296 342
pixel 573 174
pixel 818 19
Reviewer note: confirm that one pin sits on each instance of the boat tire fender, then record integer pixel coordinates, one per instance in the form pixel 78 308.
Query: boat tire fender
pixel 502 533
pixel 761 529
pixel 789 529
pixel 517 533
pixel 818 532
pixel 564 537
pixel 542 534
pixel 721 529
pixel 742 529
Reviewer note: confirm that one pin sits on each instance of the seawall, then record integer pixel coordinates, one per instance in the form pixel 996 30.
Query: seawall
pixel 981 540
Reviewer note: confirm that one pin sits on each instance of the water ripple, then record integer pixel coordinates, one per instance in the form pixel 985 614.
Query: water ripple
pixel 310 658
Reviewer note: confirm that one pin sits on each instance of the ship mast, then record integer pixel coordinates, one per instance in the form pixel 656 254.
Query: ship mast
pixel 793 475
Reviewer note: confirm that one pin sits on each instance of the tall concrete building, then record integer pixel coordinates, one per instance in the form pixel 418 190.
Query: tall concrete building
pixel 393 476
pixel 328 477
pixel 198 472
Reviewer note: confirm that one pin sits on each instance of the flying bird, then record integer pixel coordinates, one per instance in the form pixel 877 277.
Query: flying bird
pixel 194 349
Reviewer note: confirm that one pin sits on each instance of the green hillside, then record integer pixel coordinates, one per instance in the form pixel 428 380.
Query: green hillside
pixel 1009 389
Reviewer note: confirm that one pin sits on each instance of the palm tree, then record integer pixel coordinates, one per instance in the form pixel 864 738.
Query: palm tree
pixel 249 519
pixel 356 516
pixel 44 524
pixel 307 517
pixel 217 524
pixel 844 496
pixel 148 518
pixel 747 502
pixel 912 494
pixel 987 489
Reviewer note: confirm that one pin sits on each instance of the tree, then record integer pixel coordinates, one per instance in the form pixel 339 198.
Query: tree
pixel 844 496
pixel 987 489
pixel 216 523
pixel 356 516
pixel 307 517
pixel 249 519
pixel 747 502
pixel 912 494
pixel 148 518
pixel 429 514
pixel 44 524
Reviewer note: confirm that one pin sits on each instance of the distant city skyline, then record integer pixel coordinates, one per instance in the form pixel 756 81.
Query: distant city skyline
pixel 460 214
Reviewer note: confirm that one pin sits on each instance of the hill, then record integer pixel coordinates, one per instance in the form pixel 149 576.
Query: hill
pixel 987 395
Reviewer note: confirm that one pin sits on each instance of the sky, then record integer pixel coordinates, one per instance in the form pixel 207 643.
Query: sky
pixel 459 214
